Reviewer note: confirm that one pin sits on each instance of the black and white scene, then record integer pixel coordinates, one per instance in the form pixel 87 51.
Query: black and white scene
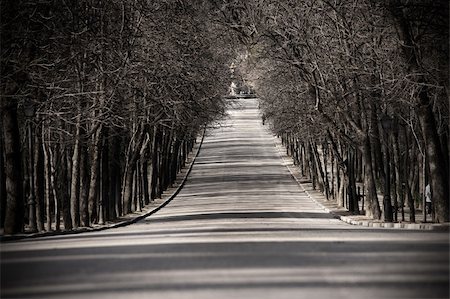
pixel 221 149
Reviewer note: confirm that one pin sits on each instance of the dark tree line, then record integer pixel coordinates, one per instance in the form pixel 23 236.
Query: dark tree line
pixel 101 101
pixel 358 91
pixel 110 97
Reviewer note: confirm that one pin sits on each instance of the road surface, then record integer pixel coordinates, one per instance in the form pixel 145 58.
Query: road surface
pixel 240 228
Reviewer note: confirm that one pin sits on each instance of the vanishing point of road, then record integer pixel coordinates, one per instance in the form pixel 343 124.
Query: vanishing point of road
pixel 240 228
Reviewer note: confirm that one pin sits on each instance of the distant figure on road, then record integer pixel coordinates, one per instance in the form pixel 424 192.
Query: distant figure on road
pixel 428 198
pixel 263 119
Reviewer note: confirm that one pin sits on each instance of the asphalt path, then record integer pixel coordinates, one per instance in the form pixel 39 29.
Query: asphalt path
pixel 240 228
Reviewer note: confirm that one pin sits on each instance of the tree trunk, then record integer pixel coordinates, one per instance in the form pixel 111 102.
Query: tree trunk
pixel 313 168
pixel 375 143
pixel 373 206
pixel 184 154
pixel 94 178
pixel 144 165
pixel 143 178
pixel 128 190
pixel 144 181
pixel 409 168
pixel 162 164
pixel 439 179
pixel 351 188
pixel 84 187
pixel 15 209
pixel 136 189
pixel 75 178
pixel 39 181
pixel 2 182
pixel 333 175
pixel 53 189
pixel 322 183
pixel 106 197
pixel 133 155
pixel 174 161
pixel 155 163
pixel 62 181
pixel 308 170
pixel 341 193
pixel 114 178
pixel 168 140
pixel 411 186
pixel 398 203
pixel 48 196
pixel 326 182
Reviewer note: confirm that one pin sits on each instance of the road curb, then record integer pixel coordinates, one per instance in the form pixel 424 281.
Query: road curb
pixel 349 220
pixel 118 224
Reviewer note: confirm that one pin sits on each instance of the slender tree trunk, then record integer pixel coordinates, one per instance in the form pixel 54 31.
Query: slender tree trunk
pixel 137 188
pixel 387 198
pixel 101 180
pixel 411 186
pixel 94 178
pixel 128 190
pixel 184 154
pixel 166 159
pixel 375 143
pixel 373 206
pixel 39 181
pixel 409 168
pixel 304 159
pixel 398 202
pixel 318 164
pixel 2 181
pixel 84 187
pixel 144 181
pixel 162 164
pixel 15 209
pixel 62 182
pixel 308 169
pixel 341 196
pixel 54 192
pixel 114 178
pixel 48 202
pixel 325 154
pixel 75 178
pixel 143 163
pixel 333 176
pixel 106 196
pixel 174 161
pixel 133 155
pixel 313 168
pixel 155 163
pixel 351 188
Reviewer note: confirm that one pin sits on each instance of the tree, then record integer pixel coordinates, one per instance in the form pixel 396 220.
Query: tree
pixel 106 117
pixel 328 71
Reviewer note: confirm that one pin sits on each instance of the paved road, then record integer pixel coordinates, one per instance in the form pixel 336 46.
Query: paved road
pixel 240 228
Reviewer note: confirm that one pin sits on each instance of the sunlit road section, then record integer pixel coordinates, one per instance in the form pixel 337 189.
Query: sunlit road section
pixel 240 228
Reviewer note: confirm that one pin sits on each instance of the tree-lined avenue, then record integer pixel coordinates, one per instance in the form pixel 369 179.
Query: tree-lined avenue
pixel 240 228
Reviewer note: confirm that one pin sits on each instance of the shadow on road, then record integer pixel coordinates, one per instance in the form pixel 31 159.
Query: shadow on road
pixel 120 268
